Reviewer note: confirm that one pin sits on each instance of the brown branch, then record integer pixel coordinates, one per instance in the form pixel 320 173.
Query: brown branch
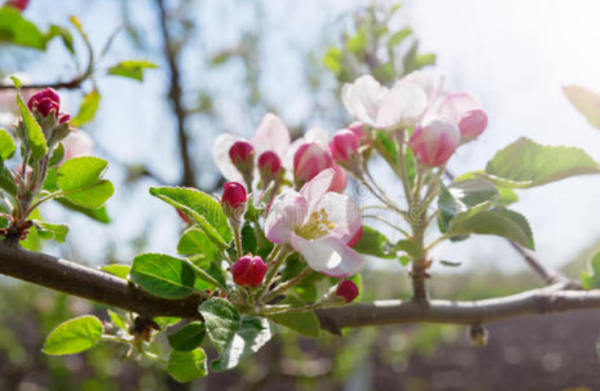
pixel 74 279
pixel 61 85
pixel 171 52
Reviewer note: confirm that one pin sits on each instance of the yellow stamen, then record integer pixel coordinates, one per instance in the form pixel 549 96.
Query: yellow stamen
pixel 317 225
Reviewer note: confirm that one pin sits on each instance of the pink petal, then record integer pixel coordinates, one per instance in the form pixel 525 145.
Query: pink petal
pixel 344 213
pixel 403 105
pixel 221 157
pixel 271 135
pixel 314 190
pixel 288 210
pixel 454 106
pixel 328 255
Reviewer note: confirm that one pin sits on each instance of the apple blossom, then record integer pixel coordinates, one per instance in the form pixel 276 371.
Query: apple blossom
pixel 340 180
pixel 271 135
pixel 269 164
pixel 309 160
pixel 318 224
pixel 344 147
pixel 249 271
pixel 464 110
pixel 347 290
pixel 234 195
pixel 241 154
pixel 434 142
pixel 377 106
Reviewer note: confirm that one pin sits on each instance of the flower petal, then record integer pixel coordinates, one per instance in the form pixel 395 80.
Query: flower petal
pixel 403 105
pixel 271 135
pixel 586 101
pixel 328 255
pixel 454 106
pixel 344 213
pixel 314 190
pixel 362 98
pixel 221 157
pixel 288 210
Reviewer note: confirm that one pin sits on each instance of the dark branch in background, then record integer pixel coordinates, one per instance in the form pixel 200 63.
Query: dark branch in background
pixel 171 52
pixel 61 85
pixel 74 279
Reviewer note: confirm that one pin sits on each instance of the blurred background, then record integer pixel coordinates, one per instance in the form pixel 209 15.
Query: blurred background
pixel 222 66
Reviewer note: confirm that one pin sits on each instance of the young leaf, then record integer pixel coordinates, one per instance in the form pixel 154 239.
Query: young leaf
pixel 188 337
pixel 98 214
pixel 80 182
pixel 17 30
pixel 497 221
pixel 117 320
pixel 305 323
pixel 7 145
pixel 49 231
pixel 195 242
pixel 525 163
pixel 373 242
pixel 253 334
pixel 162 275
pixel 187 366
pixel 200 207
pixel 87 109
pixel 74 336
pixel 398 37
pixel 592 280
pixel 133 69
pixel 222 322
pixel 35 137
pixel 63 33
pixel 121 271
pixel 7 182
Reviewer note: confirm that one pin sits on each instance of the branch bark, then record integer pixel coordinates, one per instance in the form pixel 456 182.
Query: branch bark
pixel 74 279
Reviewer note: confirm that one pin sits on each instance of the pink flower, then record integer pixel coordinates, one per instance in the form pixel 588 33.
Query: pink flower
pixel 434 142
pixel 347 290
pixel 464 110
pixel 269 163
pixel 77 144
pixel 271 135
pixel 234 195
pixel 318 224
pixel 45 101
pixel 249 271
pixel 344 146
pixel 309 160
pixel 379 107
pixel 359 131
pixel 340 180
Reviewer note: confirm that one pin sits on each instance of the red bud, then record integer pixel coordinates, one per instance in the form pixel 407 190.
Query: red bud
pixel 347 290
pixel 249 271
pixel 234 195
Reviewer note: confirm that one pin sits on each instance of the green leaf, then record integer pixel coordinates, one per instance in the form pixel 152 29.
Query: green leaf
pixel 386 147
pixel 80 182
pixel 222 322
pixel 74 336
pixel 35 137
pixel 57 155
pixel 199 206
pixel 358 42
pixel 121 271
pixel 117 320
pixel 373 242
pixel 87 109
pixel 253 334
pixel 7 182
pixel 195 242
pixel 592 280
pixel 586 101
pixel 17 30
pixel 49 231
pixel 409 247
pixel 99 214
pixel 497 221
pixel 462 196
pixel 162 275
pixel 7 145
pixel 526 163
pixel 188 337
pixel 187 366
pixel 133 69
pixel 305 323
pixel 63 33
pixel 398 37
pixel 333 60
pixel 249 242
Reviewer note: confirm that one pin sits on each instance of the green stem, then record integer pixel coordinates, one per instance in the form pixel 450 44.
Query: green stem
pixel 204 275
pixel 287 284
pixel 275 260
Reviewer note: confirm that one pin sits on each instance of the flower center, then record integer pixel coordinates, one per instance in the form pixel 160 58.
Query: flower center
pixel 317 225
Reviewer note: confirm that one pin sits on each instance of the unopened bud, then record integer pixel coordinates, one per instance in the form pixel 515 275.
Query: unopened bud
pixel 241 154
pixel 269 166
pixel 347 290
pixel 234 195
pixel 472 124
pixel 309 160
pixel 249 271
pixel 434 142
pixel 339 181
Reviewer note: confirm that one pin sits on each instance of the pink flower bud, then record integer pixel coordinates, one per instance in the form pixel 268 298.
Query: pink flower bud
pixel 472 124
pixel 347 290
pixel 354 240
pixel 434 142
pixel 241 154
pixel 249 271
pixel 45 101
pixel 310 159
pixel 234 195
pixel 18 4
pixel 269 163
pixel 344 146
pixel 339 181
pixel 359 131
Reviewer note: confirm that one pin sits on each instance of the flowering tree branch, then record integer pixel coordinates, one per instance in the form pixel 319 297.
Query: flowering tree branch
pixel 71 278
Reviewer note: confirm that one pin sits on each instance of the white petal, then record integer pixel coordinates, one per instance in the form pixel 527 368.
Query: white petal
pixel 403 105
pixel 454 106
pixel 314 190
pixel 328 255
pixel 221 157
pixel 271 135
pixel 362 98
pixel 420 79
pixel 344 213
pixel 289 210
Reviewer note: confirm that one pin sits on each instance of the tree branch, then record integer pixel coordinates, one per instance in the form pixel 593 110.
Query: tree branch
pixel 60 85
pixel 74 279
